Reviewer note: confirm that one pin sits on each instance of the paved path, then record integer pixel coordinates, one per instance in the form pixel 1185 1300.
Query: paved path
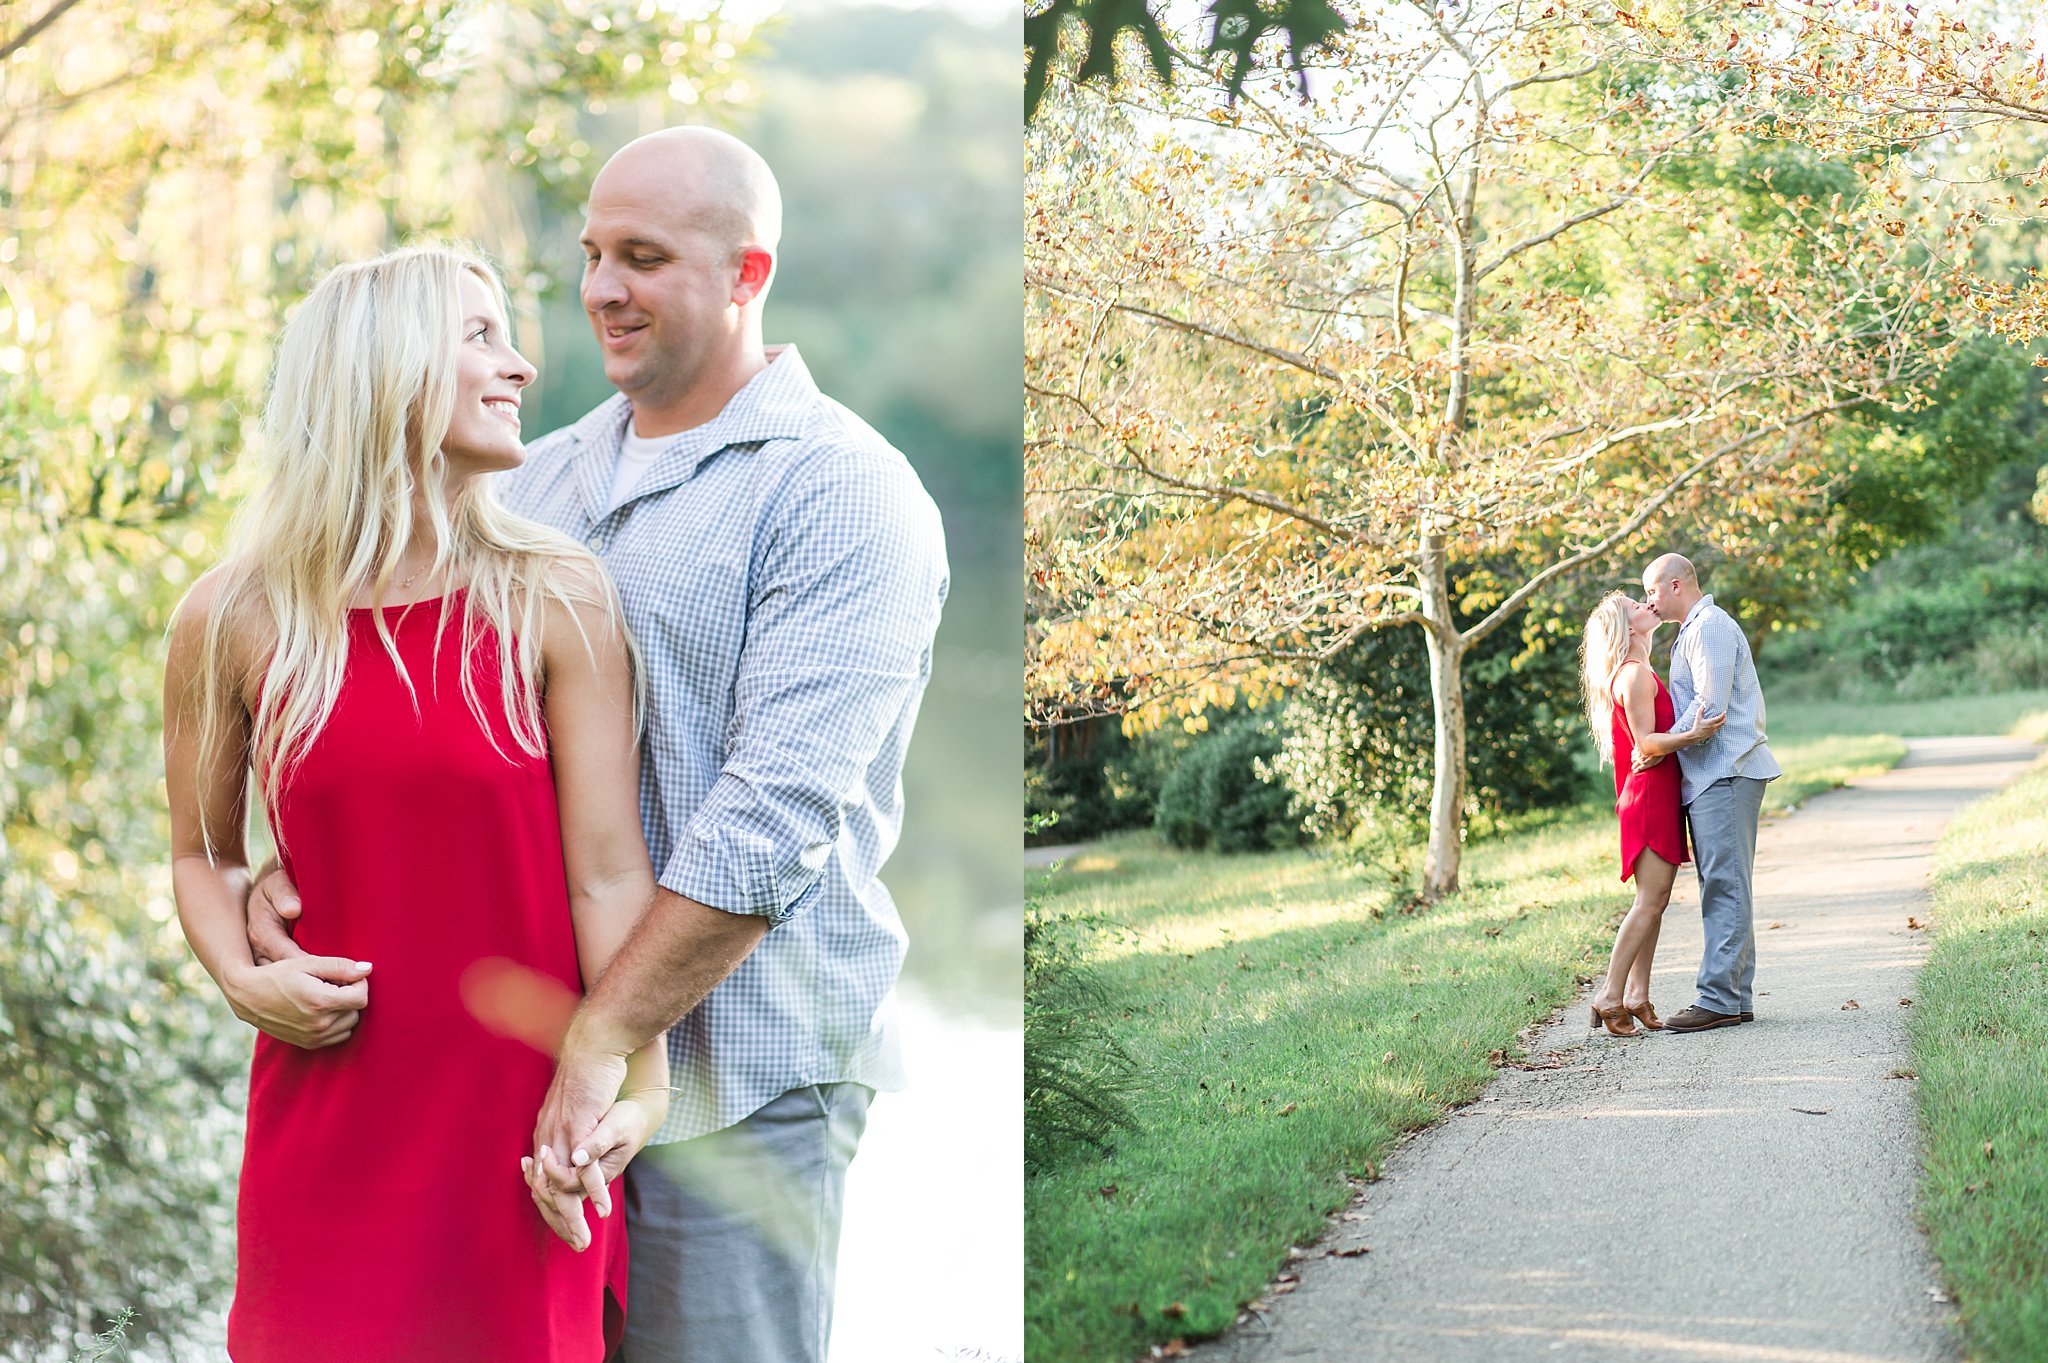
pixel 1041 857
pixel 1737 1196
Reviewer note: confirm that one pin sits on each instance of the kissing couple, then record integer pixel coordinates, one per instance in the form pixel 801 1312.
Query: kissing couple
pixel 1711 719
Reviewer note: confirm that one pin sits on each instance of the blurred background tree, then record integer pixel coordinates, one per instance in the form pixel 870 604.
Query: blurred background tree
pixel 173 177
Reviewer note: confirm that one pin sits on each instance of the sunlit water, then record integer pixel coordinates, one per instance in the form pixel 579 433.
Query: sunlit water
pixel 931 1256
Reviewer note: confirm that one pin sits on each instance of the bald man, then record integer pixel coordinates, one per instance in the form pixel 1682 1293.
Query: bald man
pixel 1722 786
pixel 782 571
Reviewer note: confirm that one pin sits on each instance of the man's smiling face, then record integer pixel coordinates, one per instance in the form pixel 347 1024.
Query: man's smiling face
pixel 658 290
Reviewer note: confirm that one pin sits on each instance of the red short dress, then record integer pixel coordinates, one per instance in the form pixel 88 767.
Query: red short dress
pixel 1647 802
pixel 381 1213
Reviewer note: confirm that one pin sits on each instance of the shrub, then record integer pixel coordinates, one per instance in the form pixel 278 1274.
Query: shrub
pixel 1358 753
pixel 1224 793
pixel 1958 616
pixel 1076 1075
pixel 1112 785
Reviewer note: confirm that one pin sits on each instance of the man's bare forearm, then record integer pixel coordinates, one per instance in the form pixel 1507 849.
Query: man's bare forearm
pixel 678 953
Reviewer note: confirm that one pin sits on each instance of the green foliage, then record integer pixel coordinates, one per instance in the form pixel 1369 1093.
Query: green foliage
pixel 1076 1074
pixel 1238 29
pixel 103 1345
pixel 1980 1024
pixel 1357 753
pixel 116 1145
pixel 1224 794
pixel 1110 785
pixel 1957 616
pixel 120 1152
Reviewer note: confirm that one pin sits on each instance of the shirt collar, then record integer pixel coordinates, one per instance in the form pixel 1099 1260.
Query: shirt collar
pixel 1697 607
pixel 772 406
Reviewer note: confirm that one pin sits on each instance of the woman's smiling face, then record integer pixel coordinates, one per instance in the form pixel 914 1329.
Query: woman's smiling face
pixel 483 432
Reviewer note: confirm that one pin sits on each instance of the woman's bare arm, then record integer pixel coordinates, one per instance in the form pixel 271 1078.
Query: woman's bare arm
pixel 1638 697
pixel 310 1001
pixel 589 710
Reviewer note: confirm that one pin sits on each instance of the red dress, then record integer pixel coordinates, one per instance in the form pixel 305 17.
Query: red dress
pixel 382 1217
pixel 1647 802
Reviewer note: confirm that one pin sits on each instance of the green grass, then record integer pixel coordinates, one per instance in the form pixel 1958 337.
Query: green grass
pixel 1980 1046
pixel 2022 713
pixel 1289 1022
pixel 1286 1035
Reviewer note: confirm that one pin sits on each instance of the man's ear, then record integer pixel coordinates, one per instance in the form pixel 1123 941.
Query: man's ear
pixel 756 268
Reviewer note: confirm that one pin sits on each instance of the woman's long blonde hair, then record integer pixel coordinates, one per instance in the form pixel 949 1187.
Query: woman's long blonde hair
pixel 361 396
pixel 1600 655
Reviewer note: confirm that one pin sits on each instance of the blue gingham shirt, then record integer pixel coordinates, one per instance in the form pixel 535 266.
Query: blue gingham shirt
pixel 782 570
pixel 1712 671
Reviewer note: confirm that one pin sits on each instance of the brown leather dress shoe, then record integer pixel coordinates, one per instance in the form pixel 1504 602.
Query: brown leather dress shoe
pixel 1698 1019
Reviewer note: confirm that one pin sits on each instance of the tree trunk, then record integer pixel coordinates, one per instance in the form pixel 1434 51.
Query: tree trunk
pixel 1447 693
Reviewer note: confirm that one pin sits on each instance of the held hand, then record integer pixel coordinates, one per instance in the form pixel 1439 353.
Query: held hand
pixel 561 1208
pixel 272 910
pixel 559 1189
pixel 309 1001
pixel 1644 761
pixel 586 1085
pixel 1707 726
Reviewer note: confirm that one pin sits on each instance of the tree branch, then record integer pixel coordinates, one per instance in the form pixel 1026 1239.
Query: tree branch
pixel 1498 616
pixel 28 35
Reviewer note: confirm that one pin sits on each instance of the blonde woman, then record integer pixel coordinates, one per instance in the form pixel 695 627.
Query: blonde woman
pixel 435 701
pixel 1631 715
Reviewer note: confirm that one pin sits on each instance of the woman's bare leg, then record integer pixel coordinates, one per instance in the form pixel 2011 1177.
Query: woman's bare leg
pixel 1637 936
pixel 1654 879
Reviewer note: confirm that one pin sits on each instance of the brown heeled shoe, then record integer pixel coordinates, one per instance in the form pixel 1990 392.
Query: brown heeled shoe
pixel 1610 1016
pixel 1646 1014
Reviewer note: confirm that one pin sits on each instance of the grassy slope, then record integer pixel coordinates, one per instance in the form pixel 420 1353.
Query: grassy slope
pixel 1244 985
pixel 1980 1045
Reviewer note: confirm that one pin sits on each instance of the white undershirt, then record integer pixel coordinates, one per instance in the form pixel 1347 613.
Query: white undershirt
pixel 637 454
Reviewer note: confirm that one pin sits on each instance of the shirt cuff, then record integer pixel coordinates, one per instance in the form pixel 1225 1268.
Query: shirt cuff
pixel 737 873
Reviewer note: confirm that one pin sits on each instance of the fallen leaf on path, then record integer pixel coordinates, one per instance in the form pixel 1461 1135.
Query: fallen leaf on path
pixel 1905 1003
pixel 1902 1074
pixel 1814 1111
pixel 1850 1004
pixel 1107 1190
pixel 1914 924
pixel 1496 1058
pixel 1387 1059
pixel 1351 1253
pixel 1285 1110
pixel 1173 1348
pixel 1774 925
pixel 1352 1216
pixel 1939 1295
pixel 1174 1310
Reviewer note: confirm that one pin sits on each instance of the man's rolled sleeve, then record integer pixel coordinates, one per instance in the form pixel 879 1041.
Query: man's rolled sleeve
pixel 845 595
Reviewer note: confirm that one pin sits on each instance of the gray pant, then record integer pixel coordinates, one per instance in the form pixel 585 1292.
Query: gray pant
pixel 734 1236
pixel 1723 819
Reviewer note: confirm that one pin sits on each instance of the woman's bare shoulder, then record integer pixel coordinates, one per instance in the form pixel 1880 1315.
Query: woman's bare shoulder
pixel 1635 681
pixel 250 630
pixel 578 602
